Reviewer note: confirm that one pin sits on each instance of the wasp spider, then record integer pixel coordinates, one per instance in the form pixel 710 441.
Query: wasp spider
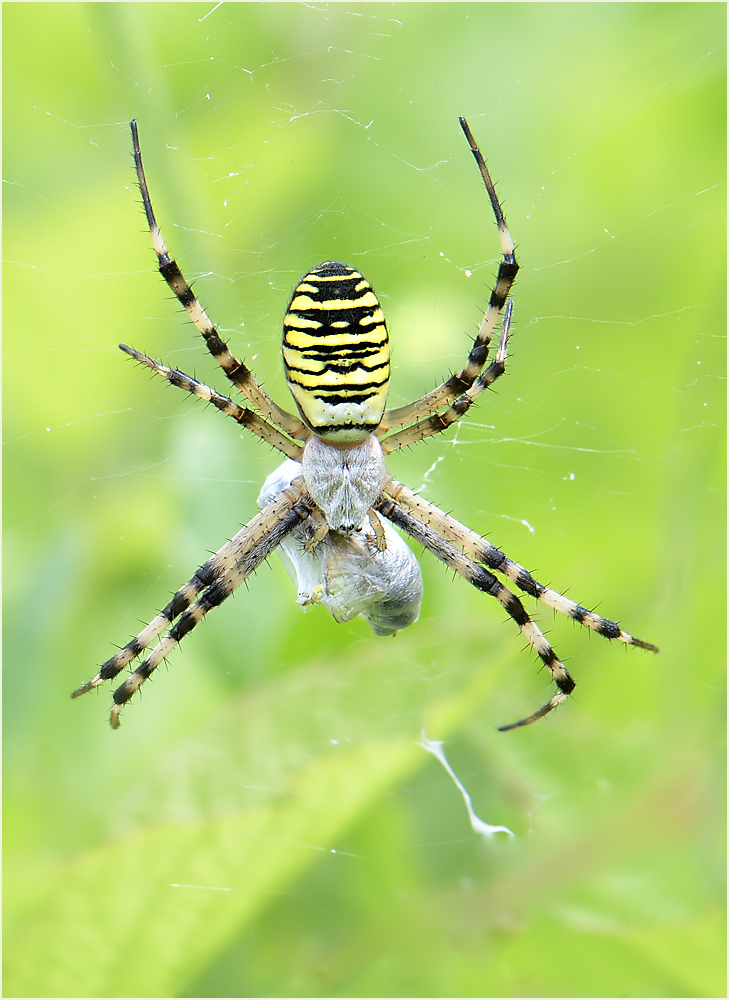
pixel 324 507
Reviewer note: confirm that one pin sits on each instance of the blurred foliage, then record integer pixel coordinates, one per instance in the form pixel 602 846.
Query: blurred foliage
pixel 263 824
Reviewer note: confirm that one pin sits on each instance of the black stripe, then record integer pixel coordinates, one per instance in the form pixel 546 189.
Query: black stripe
pixel 343 387
pixel 338 369
pixel 110 668
pixel 180 602
pixel 358 349
pixel 605 628
pixel 609 630
pixel 217 346
pixel 351 315
pixel 479 354
pixel 566 684
pixel 336 400
pixel 514 607
pixel 169 271
pixel 329 428
pixel 346 290
pixel 353 387
pixel 504 280
pixel 330 268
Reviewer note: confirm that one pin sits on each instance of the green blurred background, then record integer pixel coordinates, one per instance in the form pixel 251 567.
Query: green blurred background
pixel 263 823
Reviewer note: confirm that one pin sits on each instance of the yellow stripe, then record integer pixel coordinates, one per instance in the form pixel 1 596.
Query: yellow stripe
pixel 314 277
pixel 378 330
pixel 301 323
pixel 376 317
pixel 299 339
pixel 310 383
pixel 304 302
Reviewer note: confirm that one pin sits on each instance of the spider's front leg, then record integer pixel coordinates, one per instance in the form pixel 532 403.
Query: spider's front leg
pixel 459 384
pixel 442 421
pixel 238 373
pixel 320 532
pixel 379 539
pixel 243 416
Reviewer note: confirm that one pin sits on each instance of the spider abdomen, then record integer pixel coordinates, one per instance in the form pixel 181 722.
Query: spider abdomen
pixel 336 352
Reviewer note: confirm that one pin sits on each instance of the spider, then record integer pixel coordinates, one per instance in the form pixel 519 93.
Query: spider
pixel 324 507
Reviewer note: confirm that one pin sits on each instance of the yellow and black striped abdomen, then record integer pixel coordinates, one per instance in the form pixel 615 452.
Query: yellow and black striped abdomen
pixel 336 352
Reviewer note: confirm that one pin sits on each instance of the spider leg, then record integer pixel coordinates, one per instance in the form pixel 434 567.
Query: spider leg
pixel 480 578
pixel 215 594
pixel 379 540
pixel 241 414
pixel 442 421
pixel 238 548
pixel 318 523
pixel 456 385
pixel 235 370
pixel 484 552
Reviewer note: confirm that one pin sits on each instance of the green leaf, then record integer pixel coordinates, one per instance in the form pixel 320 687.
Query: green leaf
pixel 142 914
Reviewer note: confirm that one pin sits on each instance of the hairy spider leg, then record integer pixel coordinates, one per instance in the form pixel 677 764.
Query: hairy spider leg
pixel 487 583
pixel 215 594
pixel 484 552
pixel 241 414
pixel 442 421
pixel 239 547
pixel 457 384
pixel 238 373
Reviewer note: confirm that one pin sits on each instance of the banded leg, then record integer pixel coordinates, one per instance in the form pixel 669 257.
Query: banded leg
pixel 250 536
pixel 235 370
pixel 241 414
pixel 456 385
pixel 212 598
pixel 484 552
pixel 483 580
pixel 442 421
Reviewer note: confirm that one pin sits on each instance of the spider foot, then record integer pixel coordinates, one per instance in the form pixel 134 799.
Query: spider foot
pixel 130 686
pixel 88 686
pixel 539 714
pixel 642 644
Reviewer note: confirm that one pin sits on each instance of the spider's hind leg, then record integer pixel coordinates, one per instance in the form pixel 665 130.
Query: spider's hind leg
pixel 279 525
pixel 252 540
pixel 484 552
pixel 480 578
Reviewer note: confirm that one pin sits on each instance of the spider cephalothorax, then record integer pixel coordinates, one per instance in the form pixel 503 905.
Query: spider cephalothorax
pixel 318 506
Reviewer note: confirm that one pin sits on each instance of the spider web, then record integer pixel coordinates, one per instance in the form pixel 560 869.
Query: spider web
pixel 325 136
